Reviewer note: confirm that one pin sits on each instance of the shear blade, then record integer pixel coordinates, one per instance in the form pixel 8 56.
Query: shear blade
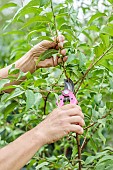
pixel 68 84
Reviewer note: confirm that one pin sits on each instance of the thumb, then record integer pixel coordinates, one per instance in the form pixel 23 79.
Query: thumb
pixel 45 45
pixel 41 47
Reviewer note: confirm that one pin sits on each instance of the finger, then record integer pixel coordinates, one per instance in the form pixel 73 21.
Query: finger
pixel 59 60
pixel 62 59
pixel 63 52
pixel 73 112
pixel 79 107
pixel 68 106
pixel 77 120
pixel 60 38
pixel 47 44
pixel 51 62
pixel 65 58
pixel 77 129
pixel 60 45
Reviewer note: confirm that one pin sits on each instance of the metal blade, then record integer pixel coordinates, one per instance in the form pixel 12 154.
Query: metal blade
pixel 68 84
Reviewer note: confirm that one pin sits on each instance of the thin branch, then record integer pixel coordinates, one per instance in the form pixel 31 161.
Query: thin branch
pixel 85 138
pixel 45 102
pixel 85 141
pixel 55 26
pixel 91 66
pixel 79 151
pixel 54 17
pixel 103 117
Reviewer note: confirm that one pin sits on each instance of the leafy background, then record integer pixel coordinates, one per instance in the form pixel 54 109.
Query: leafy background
pixel 88 29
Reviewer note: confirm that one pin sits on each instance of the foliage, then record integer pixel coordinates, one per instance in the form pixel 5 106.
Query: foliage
pixel 89 42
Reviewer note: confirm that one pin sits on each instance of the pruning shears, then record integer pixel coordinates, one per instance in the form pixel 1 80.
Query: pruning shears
pixel 67 94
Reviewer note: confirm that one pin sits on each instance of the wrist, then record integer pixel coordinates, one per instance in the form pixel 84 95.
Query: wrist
pixel 39 136
pixel 26 63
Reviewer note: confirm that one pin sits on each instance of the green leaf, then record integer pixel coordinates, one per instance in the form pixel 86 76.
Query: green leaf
pixel 17 92
pixel 41 165
pixel 34 32
pixel 39 82
pixel 105 158
pixel 3 82
pixel 99 50
pixel 47 54
pixel 106 64
pixel 98 98
pixel 95 16
pixel 44 2
pixel 100 166
pixel 26 10
pixel 30 99
pixel 13 71
pixel 93 28
pixel 82 59
pixel 9 109
pixel 108 29
pixel 101 136
pixel 8 5
pixel 36 19
pixel 89 160
pixel 13 32
pixel 111 1
pixel 105 39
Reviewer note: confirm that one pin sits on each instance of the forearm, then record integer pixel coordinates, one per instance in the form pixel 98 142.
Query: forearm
pixel 15 155
pixel 25 64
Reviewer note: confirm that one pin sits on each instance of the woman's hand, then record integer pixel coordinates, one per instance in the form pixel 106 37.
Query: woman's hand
pixel 60 122
pixel 43 46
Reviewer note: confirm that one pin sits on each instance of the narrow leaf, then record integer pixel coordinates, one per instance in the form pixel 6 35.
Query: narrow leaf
pixel 36 19
pixel 8 5
pixel 95 16
pixel 30 99
pixel 47 54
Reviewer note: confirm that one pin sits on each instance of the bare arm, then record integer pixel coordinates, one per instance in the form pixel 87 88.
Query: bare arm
pixel 28 61
pixel 16 154
pixel 59 123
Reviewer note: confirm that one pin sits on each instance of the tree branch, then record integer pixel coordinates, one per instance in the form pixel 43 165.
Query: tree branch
pixel 54 17
pixel 85 138
pixel 79 151
pixel 45 102
pixel 91 66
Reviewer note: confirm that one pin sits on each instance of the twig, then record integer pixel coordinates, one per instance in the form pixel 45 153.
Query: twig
pixel 54 17
pixel 91 66
pixel 55 25
pixel 85 141
pixel 103 117
pixel 45 102
pixel 79 151
pixel 49 92
pixel 85 138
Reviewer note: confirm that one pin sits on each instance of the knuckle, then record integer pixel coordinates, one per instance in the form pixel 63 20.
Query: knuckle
pixel 72 105
pixel 66 129
pixel 79 129
pixel 78 111
pixel 80 121
pixel 79 107
pixel 60 112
